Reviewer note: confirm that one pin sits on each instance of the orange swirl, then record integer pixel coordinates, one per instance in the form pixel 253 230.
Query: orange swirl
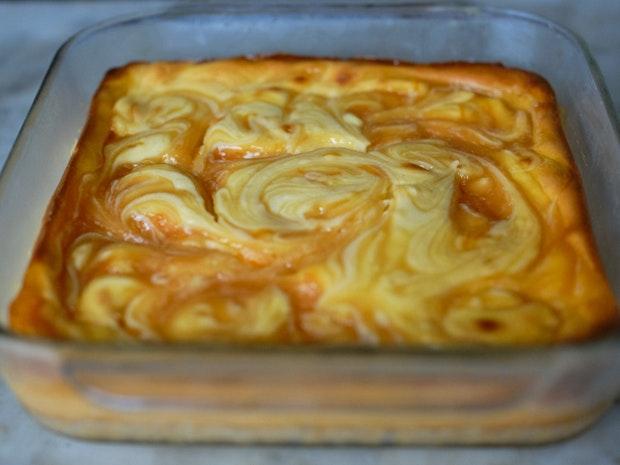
pixel 318 201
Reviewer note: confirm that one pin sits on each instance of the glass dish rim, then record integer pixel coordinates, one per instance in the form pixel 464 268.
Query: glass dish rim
pixel 449 10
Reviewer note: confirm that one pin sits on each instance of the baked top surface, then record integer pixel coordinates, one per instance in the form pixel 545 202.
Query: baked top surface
pixel 296 200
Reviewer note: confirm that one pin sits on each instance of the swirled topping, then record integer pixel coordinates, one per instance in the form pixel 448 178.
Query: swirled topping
pixel 318 201
pixel 281 124
pixel 315 191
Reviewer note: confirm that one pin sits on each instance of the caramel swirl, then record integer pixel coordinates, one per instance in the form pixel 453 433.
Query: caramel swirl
pixel 318 201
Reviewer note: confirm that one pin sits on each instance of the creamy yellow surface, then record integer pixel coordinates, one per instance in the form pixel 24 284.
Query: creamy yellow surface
pixel 292 200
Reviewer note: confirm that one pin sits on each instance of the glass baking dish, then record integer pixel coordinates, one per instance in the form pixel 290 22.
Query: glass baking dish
pixel 303 394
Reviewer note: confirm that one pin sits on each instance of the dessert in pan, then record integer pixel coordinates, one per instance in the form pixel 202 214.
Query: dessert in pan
pixel 293 200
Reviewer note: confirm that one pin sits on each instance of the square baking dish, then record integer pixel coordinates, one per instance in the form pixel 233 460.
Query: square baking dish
pixel 196 392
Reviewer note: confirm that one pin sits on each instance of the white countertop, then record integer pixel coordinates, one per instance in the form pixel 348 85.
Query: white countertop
pixel 30 33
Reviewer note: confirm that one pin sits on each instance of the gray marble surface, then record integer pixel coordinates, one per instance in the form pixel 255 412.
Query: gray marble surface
pixel 30 33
